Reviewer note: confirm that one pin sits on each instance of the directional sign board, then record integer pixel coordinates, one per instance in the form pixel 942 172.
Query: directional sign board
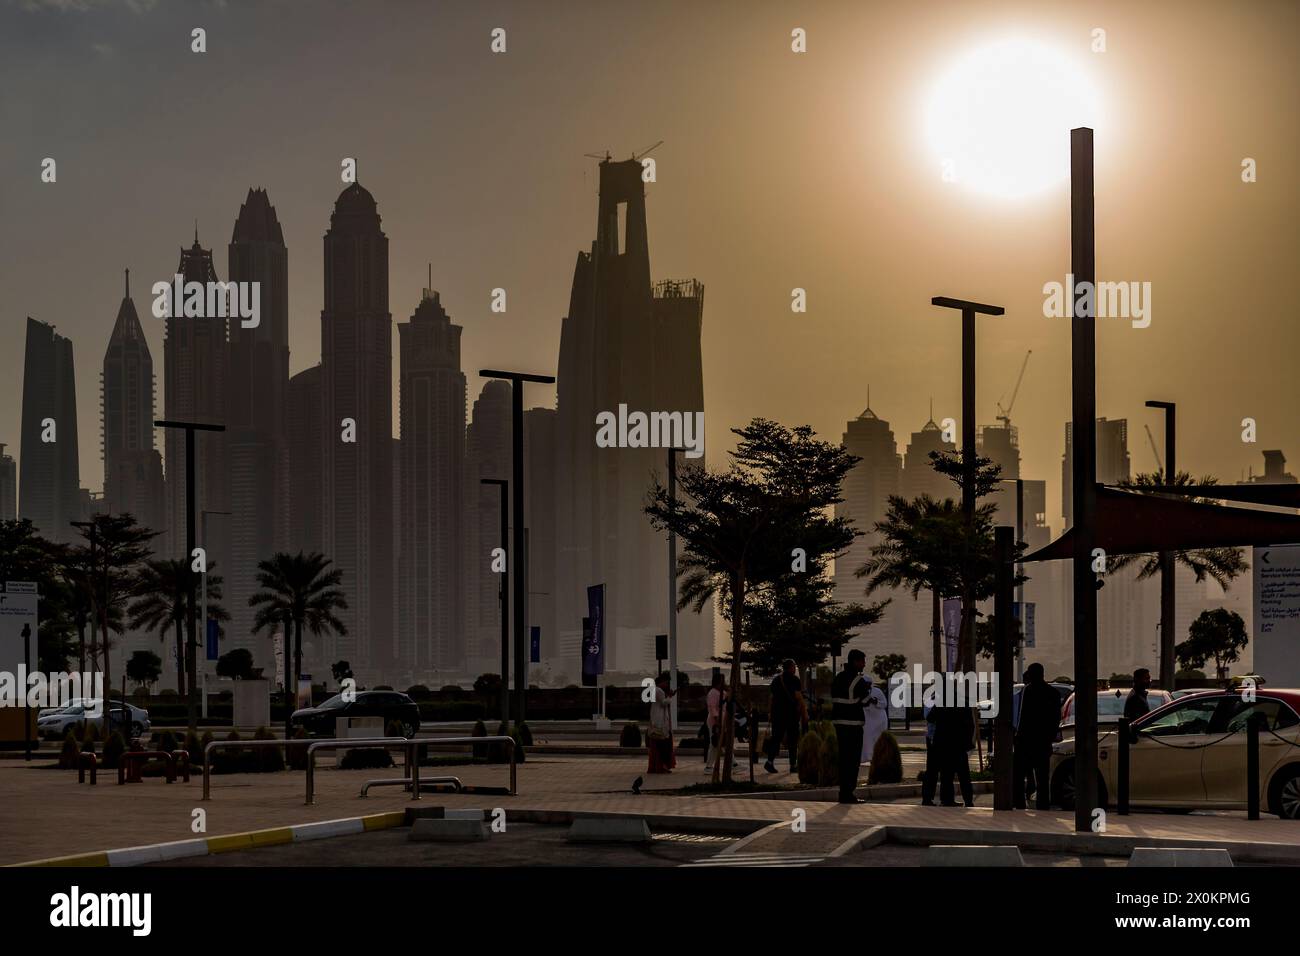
pixel 1276 640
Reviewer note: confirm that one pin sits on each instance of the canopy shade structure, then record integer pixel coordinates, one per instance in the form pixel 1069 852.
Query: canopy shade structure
pixel 1130 522
pixel 1284 496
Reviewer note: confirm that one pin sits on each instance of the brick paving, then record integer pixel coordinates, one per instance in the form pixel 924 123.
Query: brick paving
pixel 45 813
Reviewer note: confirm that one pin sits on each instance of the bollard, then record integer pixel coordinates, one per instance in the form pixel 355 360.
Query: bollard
pixel 1121 772
pixel 1252 765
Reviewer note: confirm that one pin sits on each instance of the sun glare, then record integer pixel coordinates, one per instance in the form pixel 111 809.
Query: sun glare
pixel 998 119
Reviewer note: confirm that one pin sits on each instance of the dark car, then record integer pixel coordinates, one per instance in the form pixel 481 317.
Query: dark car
pixel 388 704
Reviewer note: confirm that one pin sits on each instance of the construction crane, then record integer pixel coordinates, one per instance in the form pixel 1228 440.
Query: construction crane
pixel 1154 450
pixel 1005 417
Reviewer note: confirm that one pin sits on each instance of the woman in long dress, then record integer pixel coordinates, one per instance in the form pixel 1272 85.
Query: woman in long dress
pixel 659 739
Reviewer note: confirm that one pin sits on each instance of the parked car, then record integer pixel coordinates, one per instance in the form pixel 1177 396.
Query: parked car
pixel 1110 707
pixel 1191 690
pixel 1191 754
pixel 387 704
pixel 55 724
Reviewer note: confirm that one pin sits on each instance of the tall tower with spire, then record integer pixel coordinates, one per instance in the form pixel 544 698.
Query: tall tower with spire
pixel 133 473
pixel 195 377
pixel 357 430
pixel 257 406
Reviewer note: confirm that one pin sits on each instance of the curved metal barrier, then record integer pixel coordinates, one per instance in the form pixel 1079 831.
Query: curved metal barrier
pixel 406 782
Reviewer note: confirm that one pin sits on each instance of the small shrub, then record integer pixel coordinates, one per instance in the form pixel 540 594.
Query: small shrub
pixel 269 759
pixel 525 735
pixel 886 761
pixel 630 735
pixel 113 750
pixel 480 730
pixel 90 735
pixel 167 742
pixel 206 739
pixel 418 692
pixel 808 757
pixel 68 756
pixel 297 751
pixel 227 760
pixel 828 770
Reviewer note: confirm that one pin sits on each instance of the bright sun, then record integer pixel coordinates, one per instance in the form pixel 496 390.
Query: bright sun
pixel 998 120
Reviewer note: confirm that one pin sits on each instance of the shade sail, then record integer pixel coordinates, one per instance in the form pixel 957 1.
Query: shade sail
pixel 1284 496
pixel 1129 522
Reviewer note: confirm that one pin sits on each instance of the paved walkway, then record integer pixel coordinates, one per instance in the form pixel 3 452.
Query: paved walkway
pixel 45 813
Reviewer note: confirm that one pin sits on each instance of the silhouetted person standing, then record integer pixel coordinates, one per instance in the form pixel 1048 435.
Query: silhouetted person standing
pixel 848 692
pixel 1040 717
pixel 954 734
pixel 1135 705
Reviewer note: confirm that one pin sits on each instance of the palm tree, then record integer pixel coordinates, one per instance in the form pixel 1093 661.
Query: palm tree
pixel 297 589
pixel 162 589
pixel 920 542
pixel 1221 564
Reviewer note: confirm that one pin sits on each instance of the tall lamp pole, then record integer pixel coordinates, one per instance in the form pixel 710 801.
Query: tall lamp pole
pixel 968 312
pixel 517 380
pixel 1167 608
pixel 203 523
pixel 505 594
pixel 191 663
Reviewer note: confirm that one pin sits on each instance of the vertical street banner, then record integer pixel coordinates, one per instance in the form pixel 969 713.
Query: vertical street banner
pixel 951 631
pixel 535 644
pixel 593 658
pixel 214 632
pixel 1276 572
pixel 587 663
pixel 1025 615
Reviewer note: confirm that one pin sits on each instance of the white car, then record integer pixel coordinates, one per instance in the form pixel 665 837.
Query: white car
pixel 75 717
pixel 1110 708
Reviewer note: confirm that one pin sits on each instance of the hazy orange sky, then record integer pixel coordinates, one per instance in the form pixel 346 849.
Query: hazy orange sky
pixel 778 170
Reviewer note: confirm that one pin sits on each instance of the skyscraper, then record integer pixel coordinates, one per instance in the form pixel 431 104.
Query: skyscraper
pixel 487 455
pixel 539 520
pixel 306 447
pixel 256 428
pixel 356 401
pixel 133 475
pixel 195 367
pixel 866 492
pixel 918 476
pixel 622 342
pixel 1112 460
pixel 8 486
pixel 49 482
pixel 431 597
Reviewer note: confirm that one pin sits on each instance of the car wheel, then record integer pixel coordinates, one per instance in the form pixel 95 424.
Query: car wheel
pixel 1284 795
pixel 137 730
pixel 408 729
pixel 1063 789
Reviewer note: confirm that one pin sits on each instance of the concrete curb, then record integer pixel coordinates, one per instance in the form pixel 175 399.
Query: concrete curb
pixel 226 842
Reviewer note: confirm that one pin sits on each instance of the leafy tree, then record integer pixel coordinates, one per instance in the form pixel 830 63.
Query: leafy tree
pixel 237 664
pixel 116 546
pixel 885 666
pixel 26 556
pixel 986 636
pixel 144 668
pixel 297 590
pixel 1224 565
pixel 1217 634
pixel 739 527
pixel 340 671
pixel 487 684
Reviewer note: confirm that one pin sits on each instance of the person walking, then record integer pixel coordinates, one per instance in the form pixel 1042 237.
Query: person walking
pixel 1136 704
pixel 659 738
pixel 849 691
pixel 788 713
pixel 954 733
pixel 931 777
pixel 1040 717
pixel 875 713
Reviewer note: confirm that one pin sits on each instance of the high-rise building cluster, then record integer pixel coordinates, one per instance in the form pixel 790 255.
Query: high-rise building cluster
pixel 315 462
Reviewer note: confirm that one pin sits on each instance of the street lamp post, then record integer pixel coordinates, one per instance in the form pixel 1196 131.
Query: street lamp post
pixel 1167 607
pixel 505 595
pixel 191 662
pixel 517 380
pixel 968 312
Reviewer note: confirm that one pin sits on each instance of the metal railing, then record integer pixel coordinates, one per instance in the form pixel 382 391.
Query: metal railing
pixel 410 747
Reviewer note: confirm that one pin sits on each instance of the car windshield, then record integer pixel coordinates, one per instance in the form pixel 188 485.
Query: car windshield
pixel 334 703
pixel 1190 716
